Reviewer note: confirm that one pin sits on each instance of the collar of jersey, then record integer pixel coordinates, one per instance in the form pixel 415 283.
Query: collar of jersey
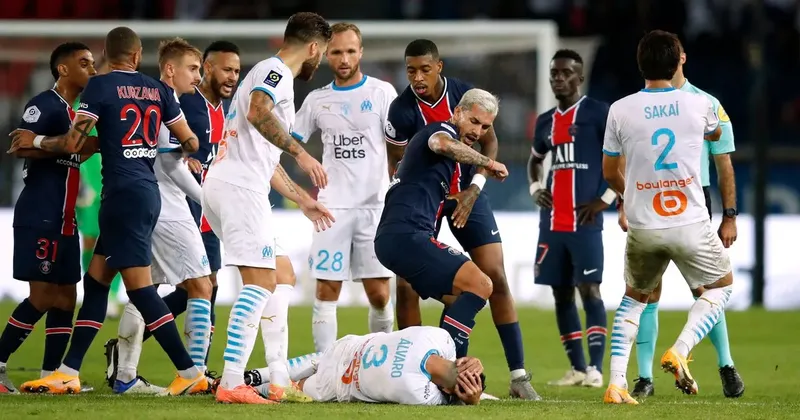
pixel 656 90
pixel 355 86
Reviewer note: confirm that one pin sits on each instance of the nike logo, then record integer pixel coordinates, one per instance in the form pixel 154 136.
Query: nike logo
pixel 208 131
pixel 495 232
pixel 66 382
pixel 587 272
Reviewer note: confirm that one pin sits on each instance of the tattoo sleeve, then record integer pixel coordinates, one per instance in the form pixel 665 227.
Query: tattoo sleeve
pixel 726 180
pixel 445 145
pixel 73 141
pixel 261 117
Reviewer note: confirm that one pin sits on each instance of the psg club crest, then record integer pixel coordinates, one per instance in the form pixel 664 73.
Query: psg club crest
pixel 45 267
pixel 453 251
pixel 573 130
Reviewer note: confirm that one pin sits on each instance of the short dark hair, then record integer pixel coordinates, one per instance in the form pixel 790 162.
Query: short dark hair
pixel 422 47
pixel 62 52
pixel 568 54
pixel 306 27
pixel 221 46
pixel 658 55
pixel 121 42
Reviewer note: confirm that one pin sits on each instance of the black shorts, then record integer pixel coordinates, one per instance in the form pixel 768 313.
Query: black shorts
pixel 428 265
pixel 127 220
pixel 480 229
pixel 210 239
pixel 44 254
pixel 707 195
pixel 569 258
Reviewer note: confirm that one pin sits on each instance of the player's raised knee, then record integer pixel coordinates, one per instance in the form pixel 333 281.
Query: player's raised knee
pixel 471 279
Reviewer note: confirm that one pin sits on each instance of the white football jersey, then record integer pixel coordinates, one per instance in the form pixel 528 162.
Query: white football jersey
pixel 660 133
pixel 351 121
pixel 173 200
pixel 390 368
pixel 245 158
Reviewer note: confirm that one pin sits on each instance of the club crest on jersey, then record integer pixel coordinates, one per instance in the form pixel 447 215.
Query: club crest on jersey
pixel 266 252
pixel 45 267
pixel 390 131
pixel 366 105
pixel 573 130
pixel 345 109
pixel 273 78
pixel 32 114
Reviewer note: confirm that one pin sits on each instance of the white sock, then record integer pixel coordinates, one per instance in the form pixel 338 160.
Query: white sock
pixel 302 367
pixel 381 320
pixel 66 370
pixel 197 329
pixel 44 373
pixel 3 364
pixel 703 315
pixel 275 334
pixel 623 333
pixel 130 334
pixel 323 324
pixel 518 373
pixel 242 333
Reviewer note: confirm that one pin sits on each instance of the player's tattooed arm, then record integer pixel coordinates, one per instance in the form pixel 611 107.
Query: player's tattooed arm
pixel 445 145
pixel 186 137
pixel 73 141
pixel 286 186
pixel 261 117
pixel 489 147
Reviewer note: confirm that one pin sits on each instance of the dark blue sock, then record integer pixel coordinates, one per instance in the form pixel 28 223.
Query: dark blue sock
pixel 569 325
pixel 176 303
pixel 89 321
pixel 19 326
pixel 465 349
pixel 511 337
pixel 213 320
pixel 58 329
pixel 161 324
pixel 460 318
pixel 595 330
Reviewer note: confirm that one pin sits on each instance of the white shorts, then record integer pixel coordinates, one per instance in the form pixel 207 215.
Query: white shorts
pixel 695 249
pixel 178 252
pixel 242 219
pixel 323 385
pixel 346 250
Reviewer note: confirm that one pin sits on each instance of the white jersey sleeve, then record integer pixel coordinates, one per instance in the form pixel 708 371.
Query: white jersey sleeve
pixel 712 119
pixel 244 157
pixel 660 132
pixel 306 120
pixel 167 168
pixel 392 367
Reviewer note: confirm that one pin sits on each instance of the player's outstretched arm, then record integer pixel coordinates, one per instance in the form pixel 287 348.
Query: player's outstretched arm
pixel 267 124
pixel 445 145
pixel 312 209
pixel 186 137
pixel 69 143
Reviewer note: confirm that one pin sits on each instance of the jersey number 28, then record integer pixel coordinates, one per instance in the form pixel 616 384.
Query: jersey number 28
pixel 660 165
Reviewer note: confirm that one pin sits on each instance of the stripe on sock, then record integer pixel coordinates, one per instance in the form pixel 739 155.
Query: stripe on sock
pixel 596 330
pixel 88 324
pixel 58 330
pixel 457 325
pixel 20 325
pixel 571 336
pixel 159 322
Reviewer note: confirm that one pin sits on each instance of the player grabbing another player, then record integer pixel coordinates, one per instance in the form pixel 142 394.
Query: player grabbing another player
pixel 406 239
pixel 414 366
pixel 46 244
pixel 179 258
pixel 431 97
pixel 128 108
pixel 350 114
pixel 660 131
pixel 235 193
pixel 732 385
pixel 571 201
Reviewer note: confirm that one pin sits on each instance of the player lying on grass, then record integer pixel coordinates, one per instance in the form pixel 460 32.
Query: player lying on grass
pixel 414 366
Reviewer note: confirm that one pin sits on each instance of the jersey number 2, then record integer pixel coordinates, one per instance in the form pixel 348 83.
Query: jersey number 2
pixel 132 110
pixel 660 165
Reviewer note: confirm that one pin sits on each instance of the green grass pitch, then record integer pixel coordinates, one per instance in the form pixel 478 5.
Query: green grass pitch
pixel 765 346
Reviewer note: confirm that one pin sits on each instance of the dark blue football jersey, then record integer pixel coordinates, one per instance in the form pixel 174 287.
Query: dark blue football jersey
pixel 408 114
pixel 575 138
pixel 51 185
pixel 415 199
pixel 129 108
pixel 207 122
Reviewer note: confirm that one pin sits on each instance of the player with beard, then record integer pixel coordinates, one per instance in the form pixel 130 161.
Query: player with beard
pixel 350 113
pixel 236 194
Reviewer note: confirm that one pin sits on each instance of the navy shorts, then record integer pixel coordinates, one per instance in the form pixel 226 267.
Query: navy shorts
pixel 44 254
pixel 210 239
pixel 569 258
pixel 481 227
pixel 127 220
pixel 427 264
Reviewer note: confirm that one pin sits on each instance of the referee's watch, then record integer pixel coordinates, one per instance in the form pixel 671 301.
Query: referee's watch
pixel 732 212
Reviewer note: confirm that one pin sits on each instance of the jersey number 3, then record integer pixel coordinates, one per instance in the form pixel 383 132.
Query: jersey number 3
pixel 660 165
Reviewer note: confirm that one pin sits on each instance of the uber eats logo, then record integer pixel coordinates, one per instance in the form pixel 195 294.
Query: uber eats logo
pixel 348 146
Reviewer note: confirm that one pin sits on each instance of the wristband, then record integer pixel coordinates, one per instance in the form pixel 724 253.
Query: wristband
pixel 609 196
pixel 37 142
pixel 536 186
pixel 479 180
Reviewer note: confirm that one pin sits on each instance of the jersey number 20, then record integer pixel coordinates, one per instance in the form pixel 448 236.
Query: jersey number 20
pixel 660 165
pixel 140 129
